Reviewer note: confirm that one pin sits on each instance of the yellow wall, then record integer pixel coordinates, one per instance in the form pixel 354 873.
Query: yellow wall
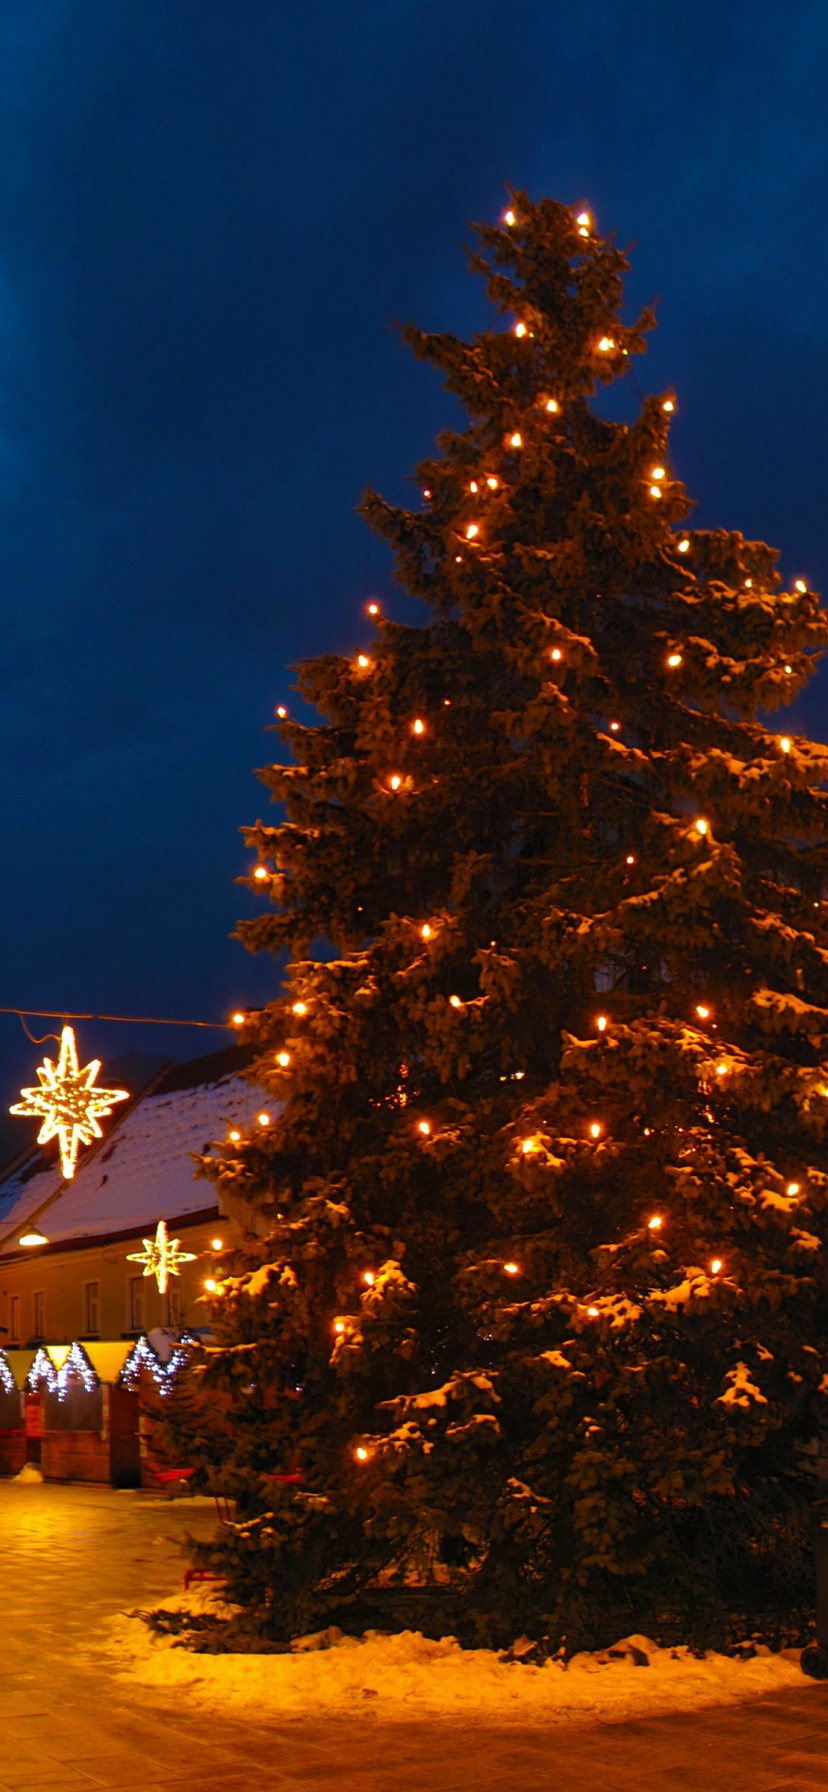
pixel 61 1277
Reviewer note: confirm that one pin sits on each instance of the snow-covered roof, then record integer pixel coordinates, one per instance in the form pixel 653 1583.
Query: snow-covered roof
pixel 142 1170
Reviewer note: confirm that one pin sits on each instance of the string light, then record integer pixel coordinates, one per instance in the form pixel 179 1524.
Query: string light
pixel 552 406
pixel 363 661
pixel 614 727
pixel 656 1223
pixel 474 487
pixel 238 1018
pixel 368 1276
pixel 163 1374
pixel 509 218
pixel 595 1130
pixel 234 1137
pixel 520 329
pixel 511 1269
pixel 424 1127
pixel 793 1188
pixel 455 1002
pixel 674 659
pixel 716 1265
pixel 801 586
pixel 418 726
pixel 339 1325
pixel 668 405
pixel 702 1012
pixel 67 1102
pixel 396 781
pixel 516 440
pixel 630 859
pixel 281 712
pixel 593 1312
pixel 701 826
pixel 492 482
pixel 426 930
pixel 556 654
pixel 260 873
pixel 361 1453
pixel 210 1284
pixel 283 1059
pixel 263 1119
pixel 472 530
pixel 785 744
pixel 299 1008
pixel 373 609
pixel 162 1257
pixel 684 545
pixel 217 1244
pixel 528 1146
pixel 606 343
pixel 655 491
pixel 601 1023
pixel 657 473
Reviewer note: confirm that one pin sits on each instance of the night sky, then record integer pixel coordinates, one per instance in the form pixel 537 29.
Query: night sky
pixel 211 212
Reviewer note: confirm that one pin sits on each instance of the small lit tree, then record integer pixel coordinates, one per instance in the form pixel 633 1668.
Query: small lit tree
pixel 533 1309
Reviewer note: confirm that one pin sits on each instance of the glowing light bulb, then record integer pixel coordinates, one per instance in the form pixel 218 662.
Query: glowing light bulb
pixel 674 659
pixel 210 1284
pixel 509 217
pixel 339 1325
pixel 592 1312
pixel 789 669
pixel 630 859
pixel 511 1269
pixel 721 1069
pixel 582 230
pixel 556 654
pixel 261 872
pixel 492 482
pixel 368 1276
pixel 455 1002
pixel 655 491
pixel 299 1008
pixel 396 781
pixel 584 219
pixel 684 546
pixel 800 585
pixel 426 930
pixel 601 1023
pixel 785 744
pixel 748 584
pixel 657 473
pixel 234 1137
pixel 417 726
pixel 702 1012
pixel 595 1130
pixel 361 1454
pixel 606 343
pixel 283 1059
pixel 29 1239
pixel 716 1265
pixel 373 609
pixel 217 1244
pixel 702 827
pixel 263 1119
pixel 528 1146
pixel 516 440
pixel 424 1127
pixel 472 530
pixel 656 1223
pixel 793 1188
pixel 474 487
pixel 520 329
pixel 363 661
pixel 281 712
pixel 427 492
pixel 668 405
pixel 614 727
pixel 239 1018
pixel 552 406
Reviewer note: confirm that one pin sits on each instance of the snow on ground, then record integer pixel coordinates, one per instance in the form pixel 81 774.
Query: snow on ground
pixel 409 1676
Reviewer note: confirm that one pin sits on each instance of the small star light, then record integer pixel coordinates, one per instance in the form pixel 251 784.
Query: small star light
pixel 263 1119
pixel 234 1137
pixel 630 859
pixel 455 1002
pixel 161 1257
pixel 674 659
pixel 424 1128
pixel 556 654
pixel 472 530
pixel 363 661
pixel 657 473
pixel 368 1276
pixel 592 1312
pixel 396 781
pixel 68 1103
pixel 552 406
pixel 702 827
pixel 528 1146
pixel 474 488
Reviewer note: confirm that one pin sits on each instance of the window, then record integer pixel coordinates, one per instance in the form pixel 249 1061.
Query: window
pixel 174 1308
pixel 38 1303
pixel 136 1303
pixel 14 1319
pixel 91 1306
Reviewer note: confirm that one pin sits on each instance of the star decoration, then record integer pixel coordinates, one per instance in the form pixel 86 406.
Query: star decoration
pixel 68 1102
pixel 161 1257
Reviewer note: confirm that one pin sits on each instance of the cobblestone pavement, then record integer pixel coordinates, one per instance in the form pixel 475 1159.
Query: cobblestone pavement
pixel 71 1556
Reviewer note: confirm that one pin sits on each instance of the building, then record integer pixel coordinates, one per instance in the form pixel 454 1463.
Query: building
pixel 80 1283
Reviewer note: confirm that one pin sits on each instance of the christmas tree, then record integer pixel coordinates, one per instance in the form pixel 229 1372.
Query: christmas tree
pixel 530 1334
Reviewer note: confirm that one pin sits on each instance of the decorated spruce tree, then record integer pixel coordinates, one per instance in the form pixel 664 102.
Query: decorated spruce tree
pixel 530 1333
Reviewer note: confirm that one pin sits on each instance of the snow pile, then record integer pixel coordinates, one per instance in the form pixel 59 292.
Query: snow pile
pixel 409 1676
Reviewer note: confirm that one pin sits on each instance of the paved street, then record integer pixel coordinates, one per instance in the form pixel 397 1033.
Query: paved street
pixel 71 1556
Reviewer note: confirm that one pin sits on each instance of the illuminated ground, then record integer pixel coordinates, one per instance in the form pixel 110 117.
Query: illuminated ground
pixel 73 1556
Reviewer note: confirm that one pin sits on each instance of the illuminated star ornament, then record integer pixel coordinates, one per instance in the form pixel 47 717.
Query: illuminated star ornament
pixel 68 1102
pixel 161 1257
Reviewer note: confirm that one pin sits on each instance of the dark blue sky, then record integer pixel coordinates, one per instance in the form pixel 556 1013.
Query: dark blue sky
pixel 210 212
